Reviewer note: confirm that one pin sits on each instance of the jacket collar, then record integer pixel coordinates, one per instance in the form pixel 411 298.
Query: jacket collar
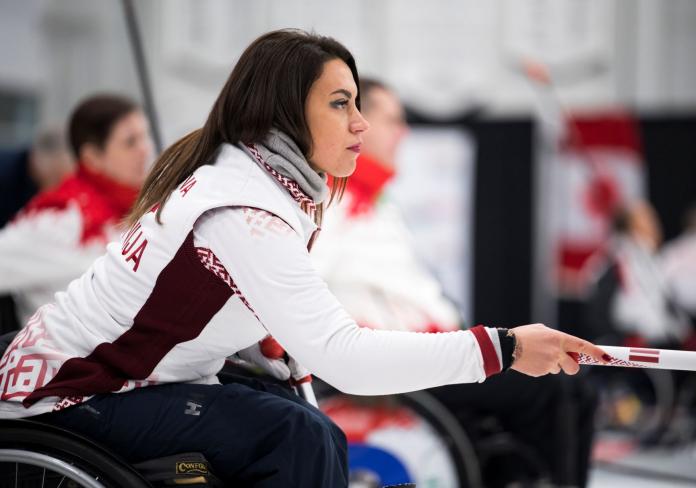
pixel 119 196
pixel 367 183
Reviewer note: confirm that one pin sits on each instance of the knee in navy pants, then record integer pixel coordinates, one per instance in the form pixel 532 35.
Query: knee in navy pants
pixel 252 433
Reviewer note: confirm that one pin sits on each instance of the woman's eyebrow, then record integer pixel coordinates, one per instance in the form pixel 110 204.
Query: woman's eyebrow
pixel 344 92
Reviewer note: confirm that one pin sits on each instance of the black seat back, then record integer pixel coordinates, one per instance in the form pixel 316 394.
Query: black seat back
pixel 6 340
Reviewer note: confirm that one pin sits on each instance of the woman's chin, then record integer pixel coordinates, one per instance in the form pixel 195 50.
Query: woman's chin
pixel 343 174
pixel 342 169
pixel 347 169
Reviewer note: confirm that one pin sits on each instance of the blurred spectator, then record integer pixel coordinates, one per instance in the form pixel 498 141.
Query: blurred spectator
pixel 25 172
pixel 679 265
pixel 385 286
pixel 630 301
pixel 366 256
pixel 58 234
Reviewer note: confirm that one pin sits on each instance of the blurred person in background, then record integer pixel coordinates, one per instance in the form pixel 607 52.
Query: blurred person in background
pixel 630 302
pixel 26 171
pixel 387 287
pixel 55 237
pixel 678 262
pixel 23 173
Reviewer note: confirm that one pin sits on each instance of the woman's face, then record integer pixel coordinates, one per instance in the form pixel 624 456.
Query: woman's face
pixel 335 123
pixel 387 125
pixel 126 153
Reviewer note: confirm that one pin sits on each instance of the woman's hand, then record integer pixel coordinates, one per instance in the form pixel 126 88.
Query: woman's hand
pixel 540 350
pixel 273 360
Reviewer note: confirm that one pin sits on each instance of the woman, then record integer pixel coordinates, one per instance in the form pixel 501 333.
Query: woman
pixel 216 259
pixel 61 231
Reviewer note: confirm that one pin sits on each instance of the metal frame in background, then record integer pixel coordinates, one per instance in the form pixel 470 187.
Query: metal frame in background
pixel 141 68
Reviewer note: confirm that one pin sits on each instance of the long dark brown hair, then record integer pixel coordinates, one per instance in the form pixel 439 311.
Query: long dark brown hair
pixel 267 89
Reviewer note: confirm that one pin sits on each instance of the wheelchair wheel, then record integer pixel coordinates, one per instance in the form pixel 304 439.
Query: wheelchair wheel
pixel 408 438
pixel 681 430
pixel 33 454
pixel 636 402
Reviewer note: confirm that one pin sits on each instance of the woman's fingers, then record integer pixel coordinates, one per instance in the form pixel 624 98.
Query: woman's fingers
pixel 575 344
pixel 544 350
pixel 568 364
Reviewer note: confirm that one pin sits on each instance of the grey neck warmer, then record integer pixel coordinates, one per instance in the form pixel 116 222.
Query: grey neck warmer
pixel 282 154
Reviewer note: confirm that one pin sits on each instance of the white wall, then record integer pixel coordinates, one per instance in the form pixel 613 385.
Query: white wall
pixel 443 56
pixel 64 50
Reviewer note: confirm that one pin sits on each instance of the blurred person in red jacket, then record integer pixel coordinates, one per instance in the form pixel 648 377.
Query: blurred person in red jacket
pixel 387 287
pixel 61 230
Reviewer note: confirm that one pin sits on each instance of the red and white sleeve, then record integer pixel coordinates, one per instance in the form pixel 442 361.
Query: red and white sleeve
pixel 273 270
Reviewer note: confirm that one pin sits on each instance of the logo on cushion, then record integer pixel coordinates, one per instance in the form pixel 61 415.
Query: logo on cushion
pixel 183 467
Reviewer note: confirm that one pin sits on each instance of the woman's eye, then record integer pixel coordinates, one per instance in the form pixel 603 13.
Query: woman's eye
pixel 339 103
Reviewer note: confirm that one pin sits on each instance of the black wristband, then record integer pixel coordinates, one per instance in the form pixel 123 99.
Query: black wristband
pixel 507 347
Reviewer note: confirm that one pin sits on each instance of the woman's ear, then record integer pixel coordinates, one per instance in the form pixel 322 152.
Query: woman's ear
pixel 91 156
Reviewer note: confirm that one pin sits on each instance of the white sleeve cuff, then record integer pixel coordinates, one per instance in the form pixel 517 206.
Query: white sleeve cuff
pixel 495 339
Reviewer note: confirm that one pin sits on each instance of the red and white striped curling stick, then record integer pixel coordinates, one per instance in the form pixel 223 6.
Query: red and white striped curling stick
pixel 636 357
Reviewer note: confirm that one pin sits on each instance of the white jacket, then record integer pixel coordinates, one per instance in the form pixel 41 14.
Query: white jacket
pixel 641 305
pixel 228 265
pixel 58 235
pixel 369 262
pixel 678 263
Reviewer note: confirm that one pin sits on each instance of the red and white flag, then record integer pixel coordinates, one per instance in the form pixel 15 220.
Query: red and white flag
pixel 599 166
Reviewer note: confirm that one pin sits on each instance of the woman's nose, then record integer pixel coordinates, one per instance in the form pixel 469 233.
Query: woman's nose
pixel 360 124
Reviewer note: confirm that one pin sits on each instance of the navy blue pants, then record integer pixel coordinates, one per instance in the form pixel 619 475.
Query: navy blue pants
pixel 252 433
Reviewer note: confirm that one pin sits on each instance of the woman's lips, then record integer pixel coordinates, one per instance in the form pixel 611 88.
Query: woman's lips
pixel 355 148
